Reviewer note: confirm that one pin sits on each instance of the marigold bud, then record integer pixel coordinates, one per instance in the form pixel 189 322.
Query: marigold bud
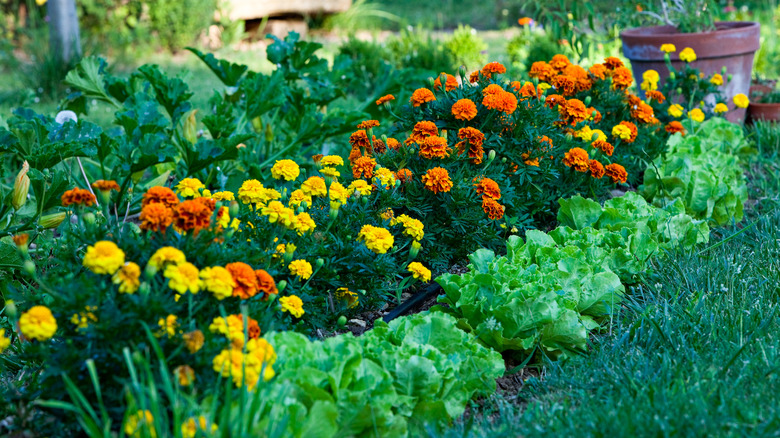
pixel 29 267
pixel 414 249
pixel 269 134
pixel 189 129
pixel 587 100
pixel 672 75
pixel 257 123
pixel 52 220
pixel 319 262
pixel 21 187
pixel 10 310
pixel 491 156
pixel 89 218
pixel 281 285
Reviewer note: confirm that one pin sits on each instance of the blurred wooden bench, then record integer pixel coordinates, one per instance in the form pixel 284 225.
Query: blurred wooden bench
pixel 257 9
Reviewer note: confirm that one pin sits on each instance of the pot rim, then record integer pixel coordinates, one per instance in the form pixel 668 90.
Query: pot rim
pixel 728 27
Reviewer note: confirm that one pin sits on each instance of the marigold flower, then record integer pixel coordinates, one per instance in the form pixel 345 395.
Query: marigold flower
pixel 285 169
pixel 304 223
pixel 393 144
pixel 565 85
pixel 434 147
pixel 252 192
pixel 644 113
pixel 165 256
pixel 189 187
pixel 331 161
pixel 223 196
pixel 140 424
pixel 437 180
pixel 412 227
pixel 404 175
pixel 525 21
pixel 493 68
pixel 245 278
pixel 488 187
pixel 184 374
pixel 604 146
pixel 474 77
pixel 741 101
pixel 359 139
pixel 688 55
pixel 542 71
pixel 160 195
pixel 675 110
pixel 218 281
pixel 450 83
pixel 616 173
pixel 293 305
pixel 300 268
pixel 387 214
pixel 674 127
pixel 104 258
pixel 716 79
pixel 464 109
pixel 192 215
pixel 363 168
pixel 155 217
pixel 668 48
pixel 613 63
pixel 559 62
pixel 183 277
pixel 621 131
pixel 599 71
pixel 720 108
pixel 127 277
pixel 368 124
pixel 632 128
pixel 38 323
pixel 360 186
pixel 266 283
pixel 314 186
pixel 578 159
pixel 338 193
pixel 596 169
pixel 194 341
pixel 421 96
pixel 385 98
pixel 527 162
pixel 4 341
pixel 232 327
pixel 277 212
pixel 419 271
pixel 655 95
pixel 492 208
pixel 386 177
pixel 105 186
pixel 422 130
pixel 573 111
pixel 696 115
pixel 377 239
pixel 191 427
pixel 78 196
pixel 554 100
pixel 622 78
pixel 347 295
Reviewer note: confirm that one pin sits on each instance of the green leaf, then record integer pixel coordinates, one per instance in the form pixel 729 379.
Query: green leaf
pixel 578 212
pixel 228 73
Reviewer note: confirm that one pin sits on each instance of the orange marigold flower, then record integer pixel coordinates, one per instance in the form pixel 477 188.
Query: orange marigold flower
pixel 160 195
pixel 475 138
pixel 492 208
pixel 493 67
pixel 621 78
pixel 317 158
pixel 78 196
pixel 595 114
pixel 192 215
pixel 265 284
pixel 437 180
pixel 246 280
pixel 578 159
pixel 525 21
pixel 503 101
pixel 105 186
pixel 612 63
pixel 421 130
pixel 643 112
pixel 488 187
pixel 573 111
pixel 434 147
pixel 421 96
pixel 464 109
pixel 385 98
pixel 404 175
pixel 596 169
pixel 559 62
pixel 354 154
pixel 553 100
pixel 616 173
pixel 674 126
pixel 655 95
pixel 368 124
pixel 359 139
pixel 492 89
pixel 527 162
pixel 604 146
pixel 632 127
pixel 210 203
pixel 599 71
pixel 393 143
pixel 450 83
pixel 541 70
pixel 545 141
pixel 474 77
pixel 364 168
pixel 565 85
pixel 526 90
pixel 155 217
pixel 379 146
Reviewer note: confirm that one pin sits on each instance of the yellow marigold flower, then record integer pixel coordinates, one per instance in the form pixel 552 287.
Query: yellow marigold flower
pixel 293 305
pixel 622 132
pixel 82 319
pixel 741 101
pixel 127 278
pixel 585 133
pixel 168 326
pixel 598 134
pixel 412 227
pixel 304 223
pixel 696 115
pixel 252 192
pixel 385 176
pixel 223 196
pixel 285 169
pixel 165 256
pixel 297 197
pixel 651 76
pixel 38 323
pixel 675 110
pixel 301 269
pixel 194 341
pixel 688 55
pixel 331 172
pixel 716 79
pixel 277 212
pixel 190 428
pixel 668 48
pixel 331 161
pixel 360 186
pixel 387 214
pixel 189 188
pixel 183 278
pixel 232 327
pixel 720 108
pixel 218 281
pixel 104 257
pixel 377 239
pixel 4 342
pixel 338 193
pixel 314 186
pixel 347 295
pixel 185 374
pixel 140 424
pixel 419 271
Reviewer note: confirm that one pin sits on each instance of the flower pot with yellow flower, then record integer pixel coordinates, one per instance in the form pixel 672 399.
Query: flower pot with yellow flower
pixel 693 37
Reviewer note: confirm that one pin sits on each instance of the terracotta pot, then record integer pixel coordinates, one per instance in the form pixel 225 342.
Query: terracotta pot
pixel 732 45
pixel 763 111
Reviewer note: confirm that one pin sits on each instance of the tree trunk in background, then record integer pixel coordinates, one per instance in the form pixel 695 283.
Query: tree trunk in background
pixel 64 30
